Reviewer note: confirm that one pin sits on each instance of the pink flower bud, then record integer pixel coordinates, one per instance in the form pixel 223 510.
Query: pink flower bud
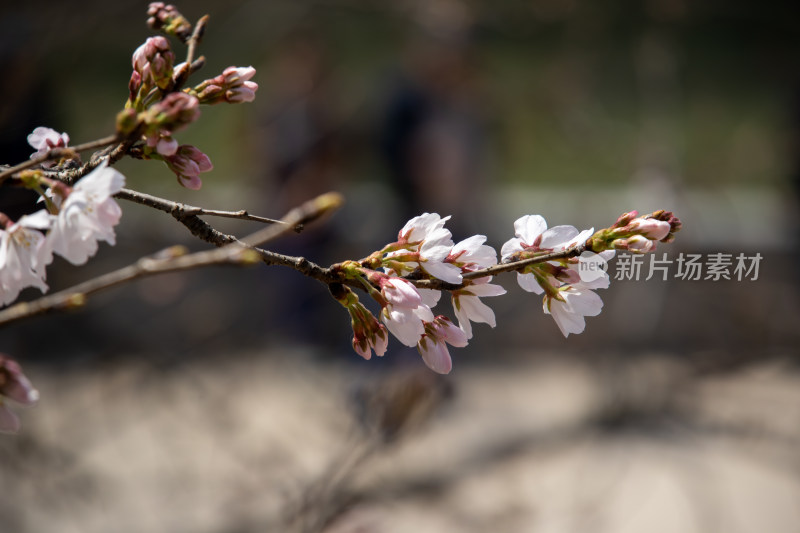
pixel 625 219
pixel 154 60
pixel 235 76
pixel 173 112
pixel 187 163
pixel 232 86
pixel 650 228
pixel 635 244
pixel 134 85
pixel 167 146
pixel 166 18
pixel 245 93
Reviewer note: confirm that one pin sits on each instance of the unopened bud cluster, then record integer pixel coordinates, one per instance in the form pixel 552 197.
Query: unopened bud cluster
pixel 636 234
pixel 166 18
pixel 232 86
pixel 156 108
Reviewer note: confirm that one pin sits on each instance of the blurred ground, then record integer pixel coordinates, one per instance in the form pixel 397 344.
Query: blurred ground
pixel 243 443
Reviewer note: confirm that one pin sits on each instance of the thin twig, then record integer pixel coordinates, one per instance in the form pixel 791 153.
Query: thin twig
pixel 514 266
pixel 230 251
pixel 169 260
pixel 183 210
pixel 192 64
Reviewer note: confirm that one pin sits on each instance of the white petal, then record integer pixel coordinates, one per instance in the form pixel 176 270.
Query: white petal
pixel 430 297
pixel 558 236
pixel 423 313
pixel 487 289
pixel 469 245
pixel 566 321
pixel 529 227
pixel 406 327
pixel 434 252
pixel 511 246
pixel 584 302
pixel 477 311
pixel 39 220
pixel 103 182
pixel 463 316
pixel 528 282
pixel 443 271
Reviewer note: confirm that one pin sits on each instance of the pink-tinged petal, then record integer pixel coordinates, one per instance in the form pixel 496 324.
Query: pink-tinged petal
pixel 402 293
pixel 558 236
pixel 528 282
pixel 529 227
pixel 404 325
pixel 436 356
pixel 449 332
pixel 43 138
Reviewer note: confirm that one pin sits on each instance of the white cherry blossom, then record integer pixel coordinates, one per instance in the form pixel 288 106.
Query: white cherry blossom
pixel 578 302
pixel 426 238
pixel 87 215
pixel 23 255
pixel 43 139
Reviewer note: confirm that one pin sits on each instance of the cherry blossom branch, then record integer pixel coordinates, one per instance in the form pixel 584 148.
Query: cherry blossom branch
pixel 175 259
pixel 194 40
pixel 57 153
pixel 180 210
pixel 502 268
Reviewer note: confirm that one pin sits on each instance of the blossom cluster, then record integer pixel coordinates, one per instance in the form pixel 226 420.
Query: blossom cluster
pixel 156 106
pixel 549 264
pixel 71 224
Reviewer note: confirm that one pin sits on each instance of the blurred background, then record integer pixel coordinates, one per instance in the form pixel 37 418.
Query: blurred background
pixel 230 400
